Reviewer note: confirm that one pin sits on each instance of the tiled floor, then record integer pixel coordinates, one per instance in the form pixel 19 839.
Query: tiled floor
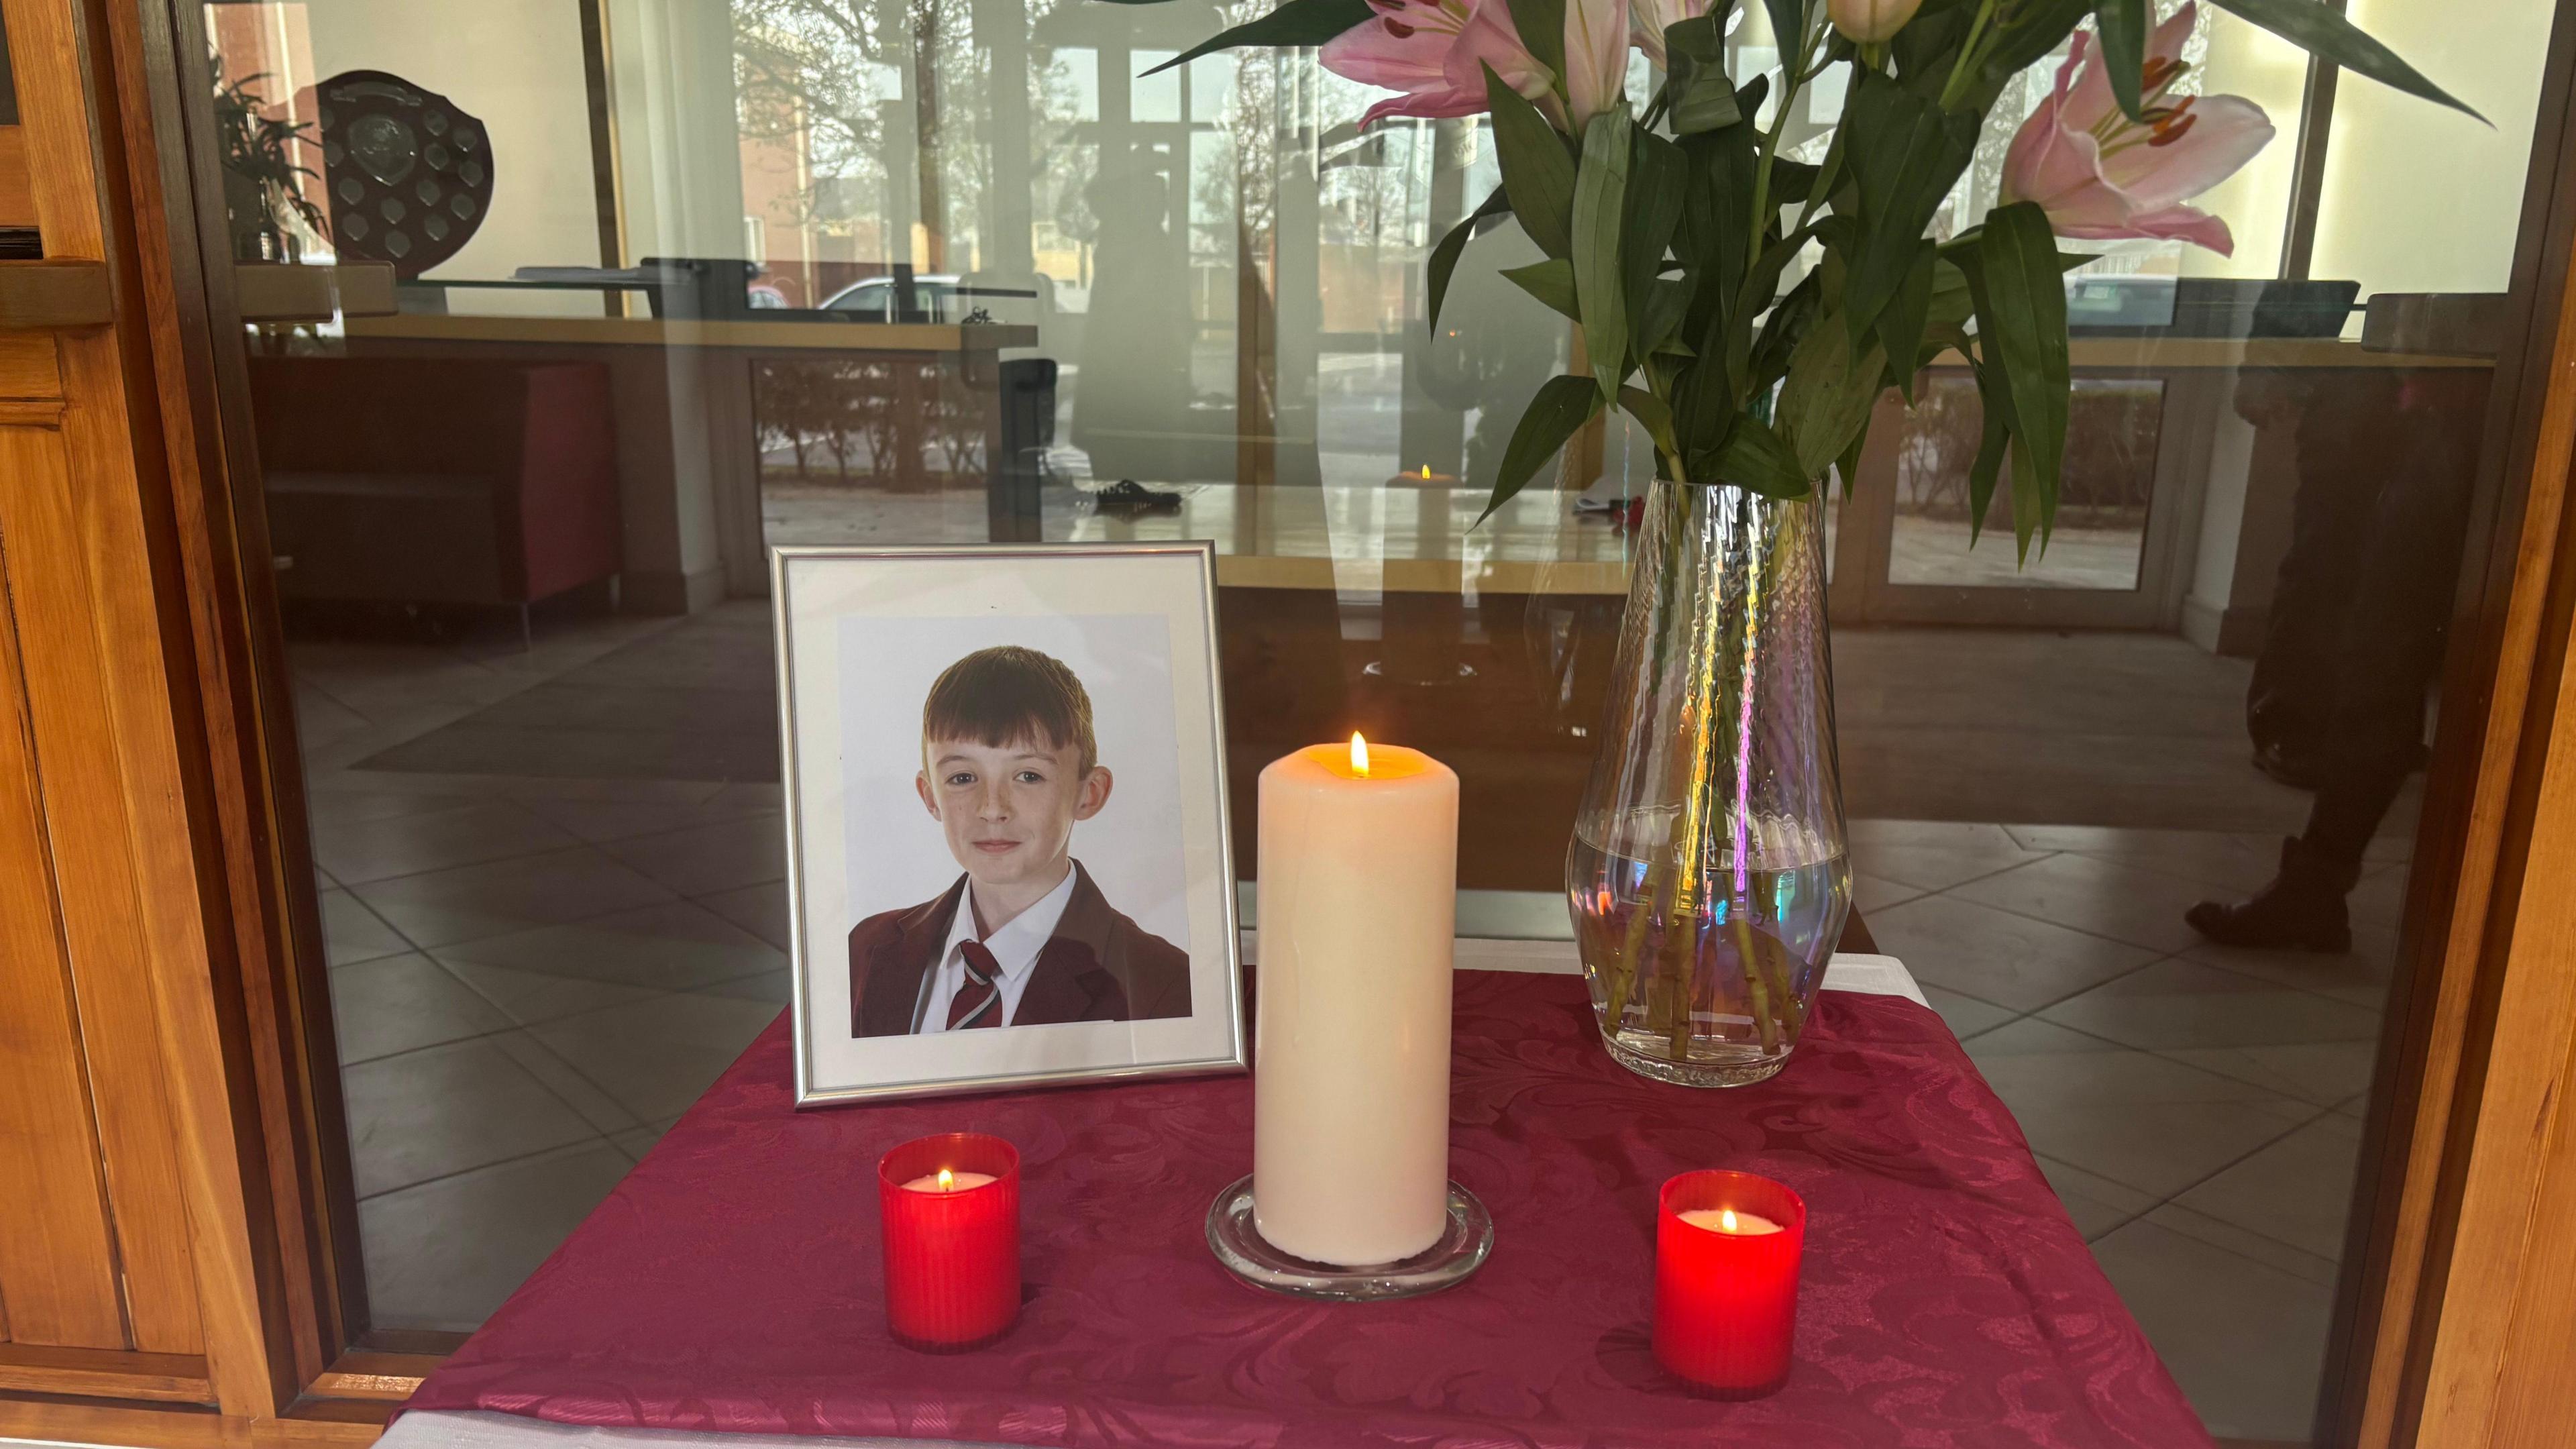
pixel 2198 1109
pixel 533 977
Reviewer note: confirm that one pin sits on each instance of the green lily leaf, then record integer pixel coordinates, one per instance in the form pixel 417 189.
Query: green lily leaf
pixel 1755 460
pixel 1703 99
pixel 1600 281
pixel 2323 32
pixel 1659 176
pixel 2021 321
pixel 1538 172
pixel 1563 404
pixel 1444 257
pixel 1650 412
pixel 1827 396
pixel 1541 24
pixel 1298 22
pixel 1906 154
pixel 1551 282
pixel 1909 312
pixel 1659 325
pixel 2122 26
pixel 1788 27
pixel 1994 402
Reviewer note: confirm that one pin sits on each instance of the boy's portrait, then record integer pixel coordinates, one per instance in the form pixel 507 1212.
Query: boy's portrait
pixel 1010 768
pixel 1008 854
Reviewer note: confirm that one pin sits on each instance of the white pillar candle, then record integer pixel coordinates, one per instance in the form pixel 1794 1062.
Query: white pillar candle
pixel 1350 1087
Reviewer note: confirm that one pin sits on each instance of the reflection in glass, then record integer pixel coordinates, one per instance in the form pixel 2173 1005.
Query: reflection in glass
pixel 2113 428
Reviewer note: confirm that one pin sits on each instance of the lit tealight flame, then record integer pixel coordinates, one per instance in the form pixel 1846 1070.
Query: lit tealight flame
pixel 1359 755
pixel 1725 1219
pixel 948 1183
pixel 1426 472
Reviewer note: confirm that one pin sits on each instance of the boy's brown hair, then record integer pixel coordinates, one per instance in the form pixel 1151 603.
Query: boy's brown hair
pixel 1005 695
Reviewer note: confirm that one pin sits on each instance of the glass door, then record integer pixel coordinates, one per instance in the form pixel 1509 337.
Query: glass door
pixel 554 318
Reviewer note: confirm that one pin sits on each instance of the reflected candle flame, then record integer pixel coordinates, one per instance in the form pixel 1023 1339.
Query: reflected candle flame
pixel 1359 755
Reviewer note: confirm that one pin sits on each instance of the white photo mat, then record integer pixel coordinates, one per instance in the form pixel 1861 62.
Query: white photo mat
pixel 861 634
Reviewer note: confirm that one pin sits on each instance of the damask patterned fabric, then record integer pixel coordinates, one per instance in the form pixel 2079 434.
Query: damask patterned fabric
pixel 731 1282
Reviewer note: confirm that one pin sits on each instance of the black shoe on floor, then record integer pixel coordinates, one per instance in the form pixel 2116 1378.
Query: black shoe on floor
pixel 2302 909
pixel 2293 768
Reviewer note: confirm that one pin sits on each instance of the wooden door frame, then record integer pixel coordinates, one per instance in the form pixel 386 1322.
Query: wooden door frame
pixel 2433 1242
pixel 2443 1221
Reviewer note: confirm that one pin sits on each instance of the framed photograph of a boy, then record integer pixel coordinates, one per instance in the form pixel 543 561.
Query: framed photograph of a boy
pixel 1008 858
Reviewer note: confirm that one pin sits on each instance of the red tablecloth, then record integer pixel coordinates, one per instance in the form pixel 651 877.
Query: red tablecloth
pixel 731 1281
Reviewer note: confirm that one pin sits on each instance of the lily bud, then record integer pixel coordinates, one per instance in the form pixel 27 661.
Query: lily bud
pixel 1871 22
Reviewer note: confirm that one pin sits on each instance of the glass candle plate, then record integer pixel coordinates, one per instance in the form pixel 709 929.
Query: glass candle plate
pixel 1460 1250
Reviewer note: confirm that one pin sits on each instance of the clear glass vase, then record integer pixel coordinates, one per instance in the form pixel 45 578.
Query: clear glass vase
pixel 1708 874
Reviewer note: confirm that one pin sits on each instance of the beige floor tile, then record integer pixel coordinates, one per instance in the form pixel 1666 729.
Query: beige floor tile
pixel 2357 978
pixel 656 1056
pixel 2297 1191
pixel 529 997
pixel 2296 1262
pixel 359 851
pixel 1872 894
pixel 1933 854
pixel 445 1254
pixel 2324 1073
pixel 602 820
pixel 637 1141
pixel 2213 858
pixel 446 1109
pixel 578 1092
pixel 668 947
pixel 2178 1005
pixel 352 807
pixel 707 859
pixel 2097 1204
pixel 760 909
pixel 1995 955
pixel 773 987
pixel 2246 1340
pixel 2379 898
pixel 2103 897
pixel 402 1003
pixel 352 933
pixel 499 898
pixel 1966 1015
pixel 2137 1119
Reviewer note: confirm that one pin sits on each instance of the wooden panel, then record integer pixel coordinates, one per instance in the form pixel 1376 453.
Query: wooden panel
pixel 116 801
pixel 52 295
pixel 27 366
pixel 17 198
pixel 57 1266
pixel 172 1377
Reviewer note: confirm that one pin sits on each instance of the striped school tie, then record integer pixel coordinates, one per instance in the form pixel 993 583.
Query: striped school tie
pixel 979 1001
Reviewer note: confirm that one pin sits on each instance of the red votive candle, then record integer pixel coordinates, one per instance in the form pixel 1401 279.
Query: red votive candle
pixel 952 1240
pixel 1726 1280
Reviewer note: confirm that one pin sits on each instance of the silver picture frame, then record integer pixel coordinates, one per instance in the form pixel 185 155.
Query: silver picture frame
pixel 1230 1050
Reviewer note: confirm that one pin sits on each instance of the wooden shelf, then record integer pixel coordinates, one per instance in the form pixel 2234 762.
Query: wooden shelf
pixel 53 296
pixel 673 332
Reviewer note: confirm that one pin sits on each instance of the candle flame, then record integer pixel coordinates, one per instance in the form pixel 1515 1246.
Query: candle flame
pixel 948 1183
pixel 1725 1219
pixel 1359 755
pixel 1426 472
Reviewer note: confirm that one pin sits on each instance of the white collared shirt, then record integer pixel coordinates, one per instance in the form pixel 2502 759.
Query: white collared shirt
pixel 1015 949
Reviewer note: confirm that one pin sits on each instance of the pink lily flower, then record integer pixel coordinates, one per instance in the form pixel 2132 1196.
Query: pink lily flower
pixel 1434 52
pixel 2101 176
pixel 1596 58
pixel 1428 50
pixel 1647 19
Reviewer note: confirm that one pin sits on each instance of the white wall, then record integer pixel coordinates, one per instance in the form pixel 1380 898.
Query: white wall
pixel 2419 198
pixel 516 64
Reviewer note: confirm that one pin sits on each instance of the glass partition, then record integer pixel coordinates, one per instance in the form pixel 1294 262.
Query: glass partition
pixel 712 276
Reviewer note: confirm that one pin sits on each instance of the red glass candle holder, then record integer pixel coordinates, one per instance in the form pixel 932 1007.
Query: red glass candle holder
pixel 952 1257
pixel 1726 1302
